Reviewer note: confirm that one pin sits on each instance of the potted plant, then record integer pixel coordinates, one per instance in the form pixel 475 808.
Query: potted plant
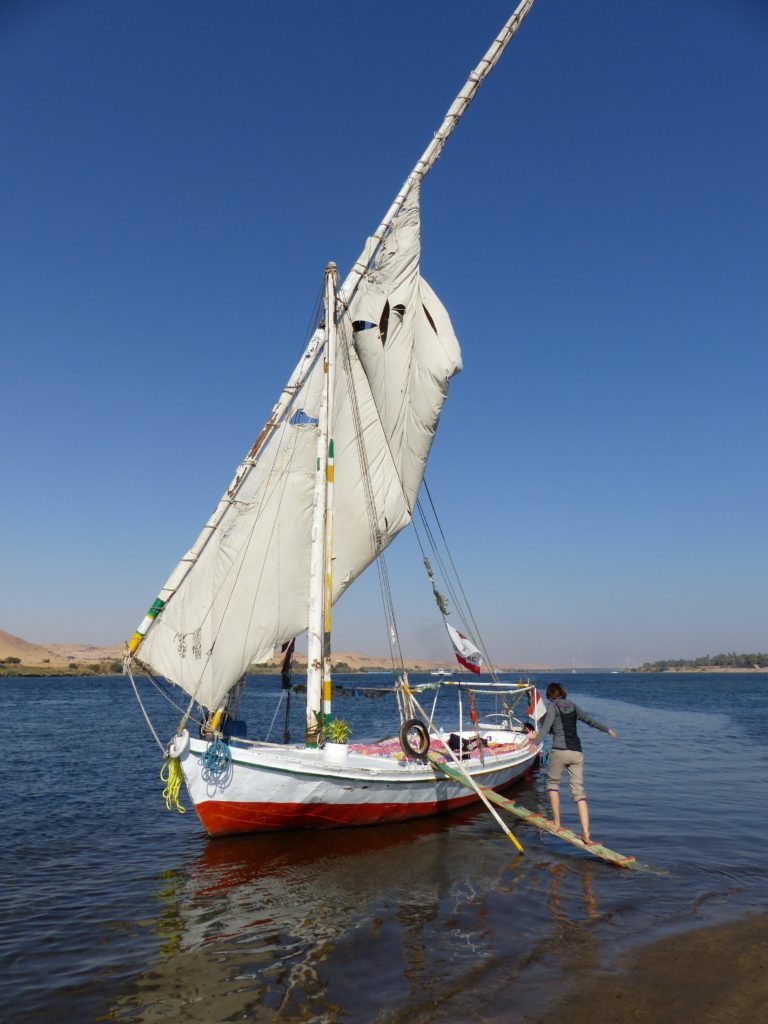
pixel 336 741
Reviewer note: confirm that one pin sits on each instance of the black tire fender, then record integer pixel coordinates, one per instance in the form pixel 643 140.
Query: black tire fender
pixel 414 739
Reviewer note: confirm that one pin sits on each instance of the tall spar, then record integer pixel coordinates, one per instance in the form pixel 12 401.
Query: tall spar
pixel 311 353
pixel 319 624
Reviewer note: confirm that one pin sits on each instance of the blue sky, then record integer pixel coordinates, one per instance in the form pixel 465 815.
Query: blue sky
pixel 174 178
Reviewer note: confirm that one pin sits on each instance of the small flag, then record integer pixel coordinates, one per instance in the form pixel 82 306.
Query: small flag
pixel 535 709
pixel 467 654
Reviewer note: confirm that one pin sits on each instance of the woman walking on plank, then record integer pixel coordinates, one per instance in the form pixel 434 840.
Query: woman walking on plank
pixel 560 719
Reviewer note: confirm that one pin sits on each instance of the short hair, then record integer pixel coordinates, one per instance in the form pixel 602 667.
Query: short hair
pixel 555 690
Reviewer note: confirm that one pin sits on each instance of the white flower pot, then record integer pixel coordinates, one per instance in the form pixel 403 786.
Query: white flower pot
pixel 336 753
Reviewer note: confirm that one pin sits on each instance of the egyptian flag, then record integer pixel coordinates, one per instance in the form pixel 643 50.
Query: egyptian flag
pixel 535 709
pixel 466 653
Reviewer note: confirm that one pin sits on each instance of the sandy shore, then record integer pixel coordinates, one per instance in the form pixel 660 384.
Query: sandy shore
pixel 713 976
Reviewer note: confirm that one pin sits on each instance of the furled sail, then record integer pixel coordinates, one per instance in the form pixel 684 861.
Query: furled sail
pixel 407 347
pixel 247 591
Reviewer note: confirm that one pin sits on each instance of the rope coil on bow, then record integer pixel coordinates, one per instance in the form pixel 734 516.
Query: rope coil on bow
pixel 216 760
pixel 172 776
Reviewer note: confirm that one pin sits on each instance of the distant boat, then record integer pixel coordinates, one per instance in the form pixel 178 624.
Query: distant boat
pixel 441 672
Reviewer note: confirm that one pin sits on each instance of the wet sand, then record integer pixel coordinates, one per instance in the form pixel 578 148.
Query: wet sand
pixel 713 975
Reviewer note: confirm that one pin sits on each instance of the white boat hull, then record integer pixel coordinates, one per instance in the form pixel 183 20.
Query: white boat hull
pixel 269 788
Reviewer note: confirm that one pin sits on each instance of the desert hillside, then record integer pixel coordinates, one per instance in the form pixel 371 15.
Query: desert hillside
pixel 63 654
pixel 54 654
pixel 89 656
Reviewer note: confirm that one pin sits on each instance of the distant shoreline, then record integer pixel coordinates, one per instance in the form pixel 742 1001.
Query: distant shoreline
pixel 698 670
pixel 88 672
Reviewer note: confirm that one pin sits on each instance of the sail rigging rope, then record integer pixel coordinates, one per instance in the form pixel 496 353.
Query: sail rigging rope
pixel 185 712
pixel 446 580
pixel 459 597
pixel 279 702
pixel 143 709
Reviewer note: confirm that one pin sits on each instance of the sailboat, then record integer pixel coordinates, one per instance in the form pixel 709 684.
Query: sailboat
pixel 346 444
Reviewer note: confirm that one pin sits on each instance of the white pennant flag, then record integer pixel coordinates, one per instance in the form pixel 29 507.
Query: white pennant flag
pixel 467 654
pixel 535 709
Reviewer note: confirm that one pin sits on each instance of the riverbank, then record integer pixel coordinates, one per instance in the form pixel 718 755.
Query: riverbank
pixel 716 975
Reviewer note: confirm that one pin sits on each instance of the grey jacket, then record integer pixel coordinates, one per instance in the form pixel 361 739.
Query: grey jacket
pixel 560 720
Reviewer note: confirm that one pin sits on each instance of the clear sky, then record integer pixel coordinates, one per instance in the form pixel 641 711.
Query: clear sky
pixel 173 179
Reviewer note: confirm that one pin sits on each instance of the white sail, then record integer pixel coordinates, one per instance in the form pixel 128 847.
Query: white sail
pixel 248 590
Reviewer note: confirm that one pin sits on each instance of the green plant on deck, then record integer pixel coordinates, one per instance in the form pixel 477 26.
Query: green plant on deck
pixel 338 731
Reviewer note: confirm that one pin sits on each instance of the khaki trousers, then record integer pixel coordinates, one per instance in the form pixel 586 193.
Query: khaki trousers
pixel 573 760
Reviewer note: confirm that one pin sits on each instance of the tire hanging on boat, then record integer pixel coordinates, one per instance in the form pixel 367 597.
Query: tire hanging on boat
pixel 414 739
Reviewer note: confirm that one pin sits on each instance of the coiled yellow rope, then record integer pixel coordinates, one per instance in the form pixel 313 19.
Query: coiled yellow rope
pixel 172 776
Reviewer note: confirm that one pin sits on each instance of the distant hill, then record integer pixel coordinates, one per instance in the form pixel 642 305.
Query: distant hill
pixel 30 654
pixel 56 656
pixel 87 656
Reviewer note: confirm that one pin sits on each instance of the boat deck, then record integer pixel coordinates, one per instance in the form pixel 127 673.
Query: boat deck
pixel 392 750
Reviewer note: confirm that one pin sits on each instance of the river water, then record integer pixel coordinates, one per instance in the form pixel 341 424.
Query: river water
pixel 115 909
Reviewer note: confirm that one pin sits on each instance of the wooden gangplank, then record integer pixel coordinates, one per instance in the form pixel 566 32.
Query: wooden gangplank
pixel 540 822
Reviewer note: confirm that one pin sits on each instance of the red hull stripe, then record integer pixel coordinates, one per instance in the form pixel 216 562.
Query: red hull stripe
pixel 467 664
pixel 224 817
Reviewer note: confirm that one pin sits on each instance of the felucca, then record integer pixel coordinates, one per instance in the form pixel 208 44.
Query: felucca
pixel 347 442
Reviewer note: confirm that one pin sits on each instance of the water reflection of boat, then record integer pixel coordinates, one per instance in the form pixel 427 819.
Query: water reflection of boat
pixel 271 924
pixel 283 927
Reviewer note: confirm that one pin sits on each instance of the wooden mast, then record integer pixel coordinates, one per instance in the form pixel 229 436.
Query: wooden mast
pixel 319 618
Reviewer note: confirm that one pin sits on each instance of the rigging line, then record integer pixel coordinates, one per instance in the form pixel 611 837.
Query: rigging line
pixel 314 318
pixel 458 578
pixel 445 575
pixel 457 602
pixel 395 651
pixel 448 553
pixel 277 708
pixel 144 710
pixel 186 712
pixel 444 582
pixel 461 611
pixel 438 558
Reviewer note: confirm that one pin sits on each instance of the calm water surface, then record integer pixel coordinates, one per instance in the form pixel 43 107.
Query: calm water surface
pixel 114 909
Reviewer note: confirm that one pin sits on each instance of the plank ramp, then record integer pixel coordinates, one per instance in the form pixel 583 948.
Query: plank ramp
pixel 540 822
